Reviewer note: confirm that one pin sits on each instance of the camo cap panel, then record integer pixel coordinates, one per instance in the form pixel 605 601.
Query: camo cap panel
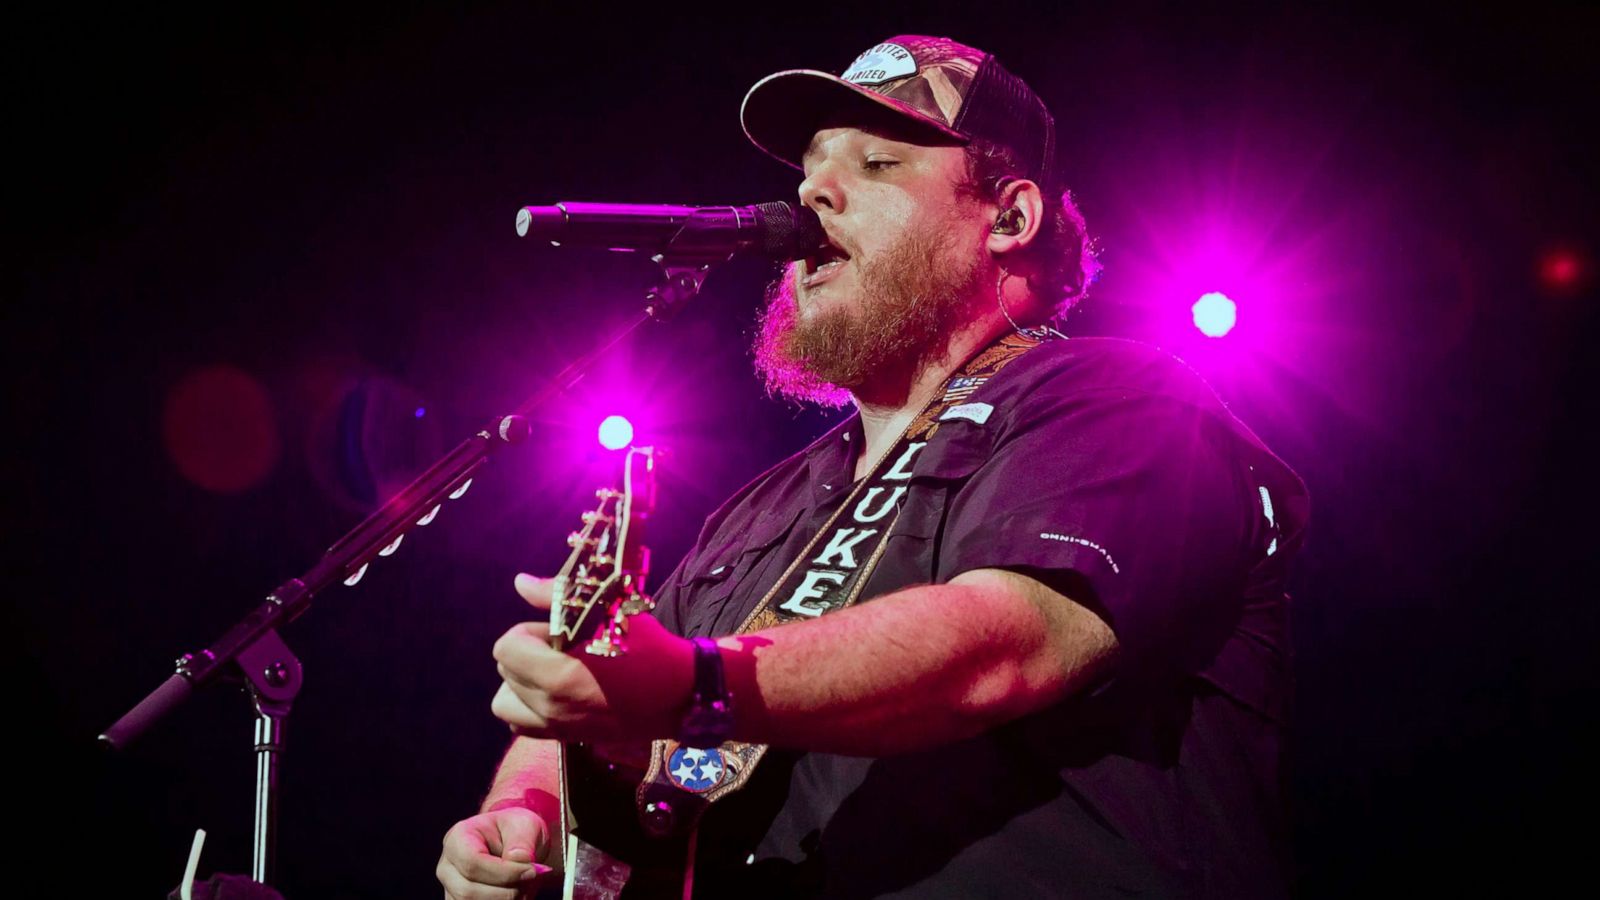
pixel 943 89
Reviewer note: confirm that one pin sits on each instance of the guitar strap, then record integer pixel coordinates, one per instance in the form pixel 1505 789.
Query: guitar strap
pixel 827 575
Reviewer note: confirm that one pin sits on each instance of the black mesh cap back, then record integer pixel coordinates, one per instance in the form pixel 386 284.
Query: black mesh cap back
pixel 1002 109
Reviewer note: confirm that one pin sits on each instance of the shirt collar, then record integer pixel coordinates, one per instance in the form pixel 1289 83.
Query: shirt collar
pixel 831 460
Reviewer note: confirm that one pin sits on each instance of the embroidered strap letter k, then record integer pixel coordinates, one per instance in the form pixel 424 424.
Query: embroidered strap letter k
pixel 843 545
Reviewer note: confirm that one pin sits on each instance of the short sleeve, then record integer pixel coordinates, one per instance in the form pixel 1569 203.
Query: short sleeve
pixel 1137 505
pixel 669 599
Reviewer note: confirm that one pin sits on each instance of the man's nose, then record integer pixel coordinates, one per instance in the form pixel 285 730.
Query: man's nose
pixel 821 191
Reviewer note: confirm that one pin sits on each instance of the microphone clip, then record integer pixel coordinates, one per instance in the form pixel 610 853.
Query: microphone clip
pixel 680 282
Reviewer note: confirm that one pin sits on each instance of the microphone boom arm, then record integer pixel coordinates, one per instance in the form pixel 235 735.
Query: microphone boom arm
pixel 253 649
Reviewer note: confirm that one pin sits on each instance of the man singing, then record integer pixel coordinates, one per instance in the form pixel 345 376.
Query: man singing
pixel 1017 628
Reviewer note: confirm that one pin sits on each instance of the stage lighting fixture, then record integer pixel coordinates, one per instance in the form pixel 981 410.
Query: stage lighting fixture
pixel 1215 314
pixel 616 432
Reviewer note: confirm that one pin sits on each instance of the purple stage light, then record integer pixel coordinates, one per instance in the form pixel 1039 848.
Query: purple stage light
pixel 1215 314
pixel 421 411
pixel 616 432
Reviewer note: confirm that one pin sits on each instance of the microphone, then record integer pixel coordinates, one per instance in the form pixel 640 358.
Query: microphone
pixel 778 231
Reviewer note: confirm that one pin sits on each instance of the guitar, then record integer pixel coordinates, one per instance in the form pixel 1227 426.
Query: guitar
pixel 601 587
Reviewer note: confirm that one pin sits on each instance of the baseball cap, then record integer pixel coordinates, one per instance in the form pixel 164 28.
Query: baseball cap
pixel 938 88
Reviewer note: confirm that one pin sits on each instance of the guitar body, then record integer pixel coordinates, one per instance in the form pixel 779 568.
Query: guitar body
pixel 609 854
pixel 607 834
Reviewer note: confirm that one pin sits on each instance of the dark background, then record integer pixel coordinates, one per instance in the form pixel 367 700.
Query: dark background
pixel 321 203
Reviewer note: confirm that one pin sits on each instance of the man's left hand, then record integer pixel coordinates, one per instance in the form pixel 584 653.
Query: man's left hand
pixel 577 696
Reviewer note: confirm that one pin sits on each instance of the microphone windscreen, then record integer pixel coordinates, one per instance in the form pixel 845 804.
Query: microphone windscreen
pixel 788 232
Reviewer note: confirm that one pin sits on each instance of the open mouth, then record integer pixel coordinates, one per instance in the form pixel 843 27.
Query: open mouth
pixel 822 264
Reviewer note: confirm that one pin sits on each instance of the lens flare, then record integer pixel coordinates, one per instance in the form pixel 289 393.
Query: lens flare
pixel 1563 271
pixel 220 429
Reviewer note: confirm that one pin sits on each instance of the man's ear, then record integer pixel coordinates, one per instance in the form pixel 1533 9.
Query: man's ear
pixel 1020 215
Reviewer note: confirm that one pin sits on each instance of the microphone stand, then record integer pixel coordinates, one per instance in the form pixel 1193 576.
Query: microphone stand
pixel 253 648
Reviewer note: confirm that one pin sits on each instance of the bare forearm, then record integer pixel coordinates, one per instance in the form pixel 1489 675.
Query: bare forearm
pixel 528 776
pixel 916 669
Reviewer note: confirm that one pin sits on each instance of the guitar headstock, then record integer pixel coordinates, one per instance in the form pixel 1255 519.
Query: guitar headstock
pixel 601 586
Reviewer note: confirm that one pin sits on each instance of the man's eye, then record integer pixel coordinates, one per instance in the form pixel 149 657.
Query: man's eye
pixel 875 164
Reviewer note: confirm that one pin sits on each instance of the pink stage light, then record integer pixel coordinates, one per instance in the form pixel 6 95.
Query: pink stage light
pixel 1563 270
pixel 616 432
pixel 1214 314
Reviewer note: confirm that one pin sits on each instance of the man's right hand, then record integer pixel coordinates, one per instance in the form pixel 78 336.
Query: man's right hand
pixel 491 855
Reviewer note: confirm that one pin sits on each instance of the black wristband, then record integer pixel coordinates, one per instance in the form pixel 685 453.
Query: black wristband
pixel 709 719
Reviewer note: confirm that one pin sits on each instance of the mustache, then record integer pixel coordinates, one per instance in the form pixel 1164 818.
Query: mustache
pixel 840 241
pixel 850 247
pixel 788 277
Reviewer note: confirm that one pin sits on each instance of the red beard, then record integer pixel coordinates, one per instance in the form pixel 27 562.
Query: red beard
pixel 910 299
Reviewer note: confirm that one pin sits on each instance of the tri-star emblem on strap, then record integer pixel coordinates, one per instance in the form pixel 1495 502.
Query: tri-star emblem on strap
pixel 697 770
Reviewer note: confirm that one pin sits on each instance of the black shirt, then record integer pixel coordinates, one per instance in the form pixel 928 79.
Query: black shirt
pixel 1111 472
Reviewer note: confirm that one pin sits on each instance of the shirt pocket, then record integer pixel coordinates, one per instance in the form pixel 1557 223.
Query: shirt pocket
pixel 723 586
pixel 912 554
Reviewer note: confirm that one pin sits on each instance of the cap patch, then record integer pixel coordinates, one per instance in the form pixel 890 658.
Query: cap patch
pixel 885 62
